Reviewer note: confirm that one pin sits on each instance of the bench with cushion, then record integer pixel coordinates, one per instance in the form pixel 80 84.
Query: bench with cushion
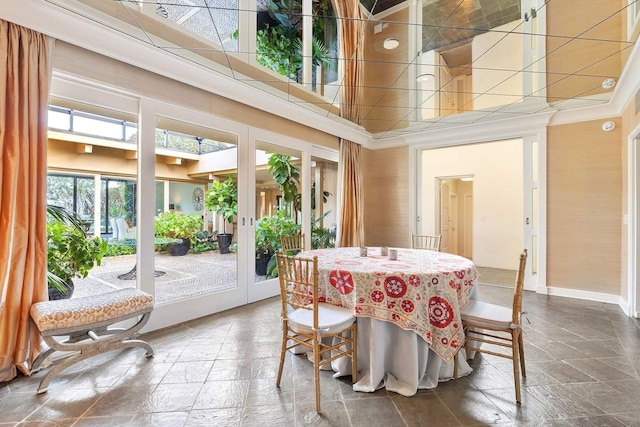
pixel 85 325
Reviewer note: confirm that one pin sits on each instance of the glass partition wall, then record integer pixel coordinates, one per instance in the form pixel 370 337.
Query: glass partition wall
pixel 151 188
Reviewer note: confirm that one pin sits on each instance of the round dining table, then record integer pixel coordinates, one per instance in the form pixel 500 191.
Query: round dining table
pixel 408 311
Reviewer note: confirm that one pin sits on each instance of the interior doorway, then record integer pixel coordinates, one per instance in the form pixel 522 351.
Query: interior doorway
pixel 494 225
pixel 455 199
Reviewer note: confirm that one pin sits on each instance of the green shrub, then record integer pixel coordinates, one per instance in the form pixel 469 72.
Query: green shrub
pixel 117 250
pixel 177 226
pixel 70 253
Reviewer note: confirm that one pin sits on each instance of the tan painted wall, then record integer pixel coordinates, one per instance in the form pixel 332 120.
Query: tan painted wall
pixel 567 56
pixel 630 120
pixel 386 197
pixel 93 66
pixel 584 207
pixel 386 95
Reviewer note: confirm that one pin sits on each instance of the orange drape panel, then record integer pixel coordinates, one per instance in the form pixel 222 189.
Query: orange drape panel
pixel 351 22
pixel 24 92
pixel 351 216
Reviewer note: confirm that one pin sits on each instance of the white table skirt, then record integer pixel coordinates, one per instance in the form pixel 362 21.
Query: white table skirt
pixel 396 359
pixel 399 360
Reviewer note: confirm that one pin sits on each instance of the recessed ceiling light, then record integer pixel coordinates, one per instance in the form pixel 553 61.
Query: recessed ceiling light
pixel 608 126
pixel 608 83
pixel 390 44
pixel 425 78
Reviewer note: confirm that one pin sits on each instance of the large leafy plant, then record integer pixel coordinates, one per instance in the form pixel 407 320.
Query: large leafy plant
pixel 270 228
pixel 222 198
pixel 70 253
pixel 287 177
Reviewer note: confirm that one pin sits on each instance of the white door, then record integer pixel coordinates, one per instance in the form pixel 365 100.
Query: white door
pixel 534 191
pixel 467 238
pixel 190 288
pixel 445 217
pixel 453 226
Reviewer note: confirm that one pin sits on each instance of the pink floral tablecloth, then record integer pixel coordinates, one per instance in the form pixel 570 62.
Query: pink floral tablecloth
pixel 422 291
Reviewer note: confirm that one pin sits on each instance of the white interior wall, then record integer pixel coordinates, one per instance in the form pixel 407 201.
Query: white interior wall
pixel 180 195
pixel 497 196
pixel 491 74
pixel 427 99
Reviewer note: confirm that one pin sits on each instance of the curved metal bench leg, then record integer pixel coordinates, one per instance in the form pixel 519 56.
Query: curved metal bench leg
pixel 91 343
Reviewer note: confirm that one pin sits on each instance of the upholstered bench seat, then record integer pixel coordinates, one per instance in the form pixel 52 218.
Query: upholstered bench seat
pixel 86 323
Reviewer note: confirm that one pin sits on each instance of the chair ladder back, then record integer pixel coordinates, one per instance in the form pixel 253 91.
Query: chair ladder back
pixel 426 242
pixel 518 289
pixel 298 283
pixel 293 243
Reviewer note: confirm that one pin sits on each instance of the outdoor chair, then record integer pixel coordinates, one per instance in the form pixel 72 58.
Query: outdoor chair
pixel 124 230
pixel 426 242
pixel 321 327
pixel 495 325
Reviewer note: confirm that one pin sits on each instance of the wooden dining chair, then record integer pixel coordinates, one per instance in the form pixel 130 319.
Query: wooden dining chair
pixel 322 327
pixel 426 242
pixel 292 244
pixel 494 325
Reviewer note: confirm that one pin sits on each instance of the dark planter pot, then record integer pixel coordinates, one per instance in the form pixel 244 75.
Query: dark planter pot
pixel 179 249
pixel 262 261
pixel 55 294
pixel 224 241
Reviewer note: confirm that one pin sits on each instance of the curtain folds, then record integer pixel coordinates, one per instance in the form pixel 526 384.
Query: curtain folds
pixel 352 24
pixel 351 215
pixel 24 91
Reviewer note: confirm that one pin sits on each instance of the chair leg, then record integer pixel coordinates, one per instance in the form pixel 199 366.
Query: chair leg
pixel 455 365
pixel 354 354
pixel 521 348
pixel 316 367
pixel 515 358
pixel 282 352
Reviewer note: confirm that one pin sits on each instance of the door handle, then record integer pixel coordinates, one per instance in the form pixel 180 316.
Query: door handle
pixel 242 221
pixel 527 221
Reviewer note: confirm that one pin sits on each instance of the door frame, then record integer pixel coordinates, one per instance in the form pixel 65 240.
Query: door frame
pixel 632 306
pixel 192 308
pixel 257 291
pixel 534 129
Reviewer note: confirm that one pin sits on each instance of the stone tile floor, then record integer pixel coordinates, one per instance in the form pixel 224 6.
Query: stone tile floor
pixel 583 360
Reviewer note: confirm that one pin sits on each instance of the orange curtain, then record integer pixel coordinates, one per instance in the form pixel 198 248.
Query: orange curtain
pixel 351 216
pixel 24 91
pixel 351 22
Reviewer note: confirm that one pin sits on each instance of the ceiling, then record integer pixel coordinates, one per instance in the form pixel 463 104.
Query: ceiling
pixel 450 31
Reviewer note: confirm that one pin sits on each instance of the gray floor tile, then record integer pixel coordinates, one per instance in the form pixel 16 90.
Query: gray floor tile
pixel 220 371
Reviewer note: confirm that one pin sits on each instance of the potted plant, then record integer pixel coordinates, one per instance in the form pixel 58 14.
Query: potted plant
pixel 70 253
pixel 268 232
pixel 222 198
pixel 175 225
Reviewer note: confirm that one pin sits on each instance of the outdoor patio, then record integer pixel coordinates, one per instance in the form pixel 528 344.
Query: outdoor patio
pixel 186 276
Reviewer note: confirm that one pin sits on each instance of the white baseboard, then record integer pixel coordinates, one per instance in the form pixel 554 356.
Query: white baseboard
pixel 589 296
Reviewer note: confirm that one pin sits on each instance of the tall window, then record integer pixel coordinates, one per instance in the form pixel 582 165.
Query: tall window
pixel 77 194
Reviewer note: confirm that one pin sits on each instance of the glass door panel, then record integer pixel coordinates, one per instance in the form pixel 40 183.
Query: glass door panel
pixel 278 210
pixel 324 188
pixel 189 159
